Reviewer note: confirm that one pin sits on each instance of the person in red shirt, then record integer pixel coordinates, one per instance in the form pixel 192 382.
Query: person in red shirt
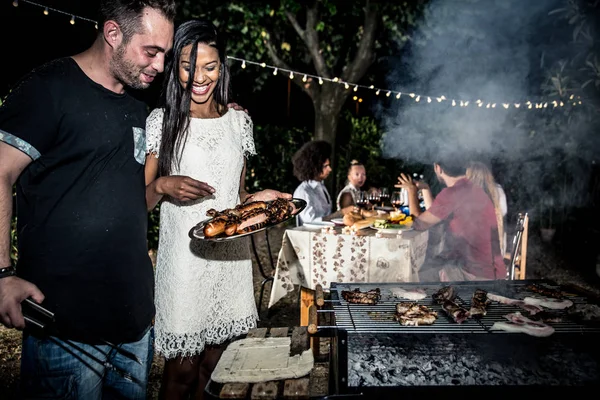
pixel 471 248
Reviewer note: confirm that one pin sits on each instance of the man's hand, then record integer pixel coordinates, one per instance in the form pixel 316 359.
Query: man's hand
pixel 183 188
pixel 269 194
pixel 237 107
pixel 406 182
pixel 13 291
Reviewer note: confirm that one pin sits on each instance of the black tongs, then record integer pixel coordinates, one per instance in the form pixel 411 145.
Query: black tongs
pixel 41 319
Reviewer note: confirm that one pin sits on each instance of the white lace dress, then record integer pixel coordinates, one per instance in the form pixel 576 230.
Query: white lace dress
pixel 204 291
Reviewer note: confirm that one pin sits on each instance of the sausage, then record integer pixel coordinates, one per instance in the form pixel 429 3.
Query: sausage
pixel 255 205
pixel 215 227
pixel 230 228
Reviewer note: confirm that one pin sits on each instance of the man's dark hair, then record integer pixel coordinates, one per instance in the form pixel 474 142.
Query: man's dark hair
pixel 128 13
pixel 308 161
pixel 453 164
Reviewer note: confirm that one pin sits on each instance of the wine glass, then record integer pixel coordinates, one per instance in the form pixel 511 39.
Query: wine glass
pixel 397 200
pixel 385 194
pixel 374 196
pixel 362 199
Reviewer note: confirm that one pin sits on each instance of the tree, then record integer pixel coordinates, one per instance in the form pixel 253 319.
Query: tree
pixel 326 38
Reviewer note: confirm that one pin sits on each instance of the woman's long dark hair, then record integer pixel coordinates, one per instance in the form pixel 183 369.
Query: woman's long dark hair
pixel 175 99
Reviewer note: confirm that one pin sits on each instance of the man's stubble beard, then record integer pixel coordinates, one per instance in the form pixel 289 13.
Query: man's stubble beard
pixel 126 71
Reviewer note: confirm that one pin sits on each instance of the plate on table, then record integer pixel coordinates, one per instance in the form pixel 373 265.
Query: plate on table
pixel 197 232
pixel 396 229
pixel 338 221
pixel 318 224
pixel 384 208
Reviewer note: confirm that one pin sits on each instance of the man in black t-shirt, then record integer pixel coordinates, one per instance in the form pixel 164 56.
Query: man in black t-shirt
pixel 73 141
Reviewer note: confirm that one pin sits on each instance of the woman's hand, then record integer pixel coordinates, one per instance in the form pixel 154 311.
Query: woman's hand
pixel 183 188
pixel 267 195
pixel 406 182
pixel 422 185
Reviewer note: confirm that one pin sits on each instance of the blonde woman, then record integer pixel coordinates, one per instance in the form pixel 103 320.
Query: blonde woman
pixel 479 174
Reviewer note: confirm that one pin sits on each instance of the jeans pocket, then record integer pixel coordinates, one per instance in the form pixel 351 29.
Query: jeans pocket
pixel 50 386
pixel 139 145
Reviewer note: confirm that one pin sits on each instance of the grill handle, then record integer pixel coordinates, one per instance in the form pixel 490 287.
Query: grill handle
pixel 312 319
pixel 319 299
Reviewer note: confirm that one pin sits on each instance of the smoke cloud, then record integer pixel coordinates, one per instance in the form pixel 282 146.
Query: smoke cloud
pixel 480 50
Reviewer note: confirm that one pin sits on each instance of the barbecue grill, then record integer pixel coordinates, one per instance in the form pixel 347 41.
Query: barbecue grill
pixel 373 356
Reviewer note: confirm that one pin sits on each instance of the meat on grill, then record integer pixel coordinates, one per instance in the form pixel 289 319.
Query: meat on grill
pixel 519 323
pixel 548 302
pixel 445 296
pixel 557 294
pixel 530 308
pixel 415 294
pixel 357 297
pixel 479 302
pixel 414 314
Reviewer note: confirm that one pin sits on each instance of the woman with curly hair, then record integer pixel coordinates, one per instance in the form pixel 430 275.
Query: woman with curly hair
pixel 312 166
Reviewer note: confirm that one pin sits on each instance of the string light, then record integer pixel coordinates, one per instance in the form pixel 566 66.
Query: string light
pixel 321 80
pixel 57 11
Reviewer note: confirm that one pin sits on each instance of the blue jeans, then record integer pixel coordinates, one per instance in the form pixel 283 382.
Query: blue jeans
pixel 49 371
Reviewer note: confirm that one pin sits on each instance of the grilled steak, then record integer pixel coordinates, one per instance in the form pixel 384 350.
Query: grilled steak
pixel 357 297
pixel 445 296
pixel 479 303
pixel 414 314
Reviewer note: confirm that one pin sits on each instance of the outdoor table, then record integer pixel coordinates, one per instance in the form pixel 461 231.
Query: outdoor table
pixel 310 257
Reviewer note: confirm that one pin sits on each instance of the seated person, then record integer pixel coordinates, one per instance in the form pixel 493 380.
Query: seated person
pixel 357 176
pixel 312 167
pixel 480 174
pixel 471 249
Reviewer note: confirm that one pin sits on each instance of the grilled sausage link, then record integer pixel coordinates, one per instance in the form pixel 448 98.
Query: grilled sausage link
pixel 255 205
pixel 215 227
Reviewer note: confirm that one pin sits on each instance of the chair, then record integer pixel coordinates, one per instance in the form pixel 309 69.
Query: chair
pixel 266 277
pixel 517 258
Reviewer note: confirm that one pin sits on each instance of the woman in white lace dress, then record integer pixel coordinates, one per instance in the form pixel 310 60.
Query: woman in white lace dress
pixel 196 161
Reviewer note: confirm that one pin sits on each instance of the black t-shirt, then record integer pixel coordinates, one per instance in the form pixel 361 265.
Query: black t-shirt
pixel 81 208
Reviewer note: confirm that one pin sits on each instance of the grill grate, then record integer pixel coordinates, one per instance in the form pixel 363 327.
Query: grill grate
pixel 378 318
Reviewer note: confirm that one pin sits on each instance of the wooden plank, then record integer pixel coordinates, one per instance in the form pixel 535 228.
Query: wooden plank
pixel 234 391
pixel 319 298
pixel 319 380
pixel 264 391
pixel 296 389
pixel 300 340
pixel 279 332
pixel 257 333
pixel 307 299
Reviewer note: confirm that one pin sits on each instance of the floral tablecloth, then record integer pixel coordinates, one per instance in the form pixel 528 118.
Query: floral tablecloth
pixel 309 257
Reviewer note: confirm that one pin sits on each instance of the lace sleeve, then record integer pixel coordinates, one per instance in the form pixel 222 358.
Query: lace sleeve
pixel 154 131
pixel 247 128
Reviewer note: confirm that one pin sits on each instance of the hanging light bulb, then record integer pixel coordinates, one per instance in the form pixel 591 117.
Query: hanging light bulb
pixel 371 87
pixel 346 86
pixel 355 88
pixel 418 99
pixel 517 105
pixel 244 64
pixel 398 95
pixel 96 26
pixel 388 94
pixel 275 71
pixel 466 103
pixel 377 92
pixel 46 11
pixel 453 103
pixel 304 78
pixel 263 65
pixel 355 98
pixel 429 99
pixel 72 21
pixel 16 3
pixel 291 75
pixel 320 81
pixel 335 79
pixel 412 95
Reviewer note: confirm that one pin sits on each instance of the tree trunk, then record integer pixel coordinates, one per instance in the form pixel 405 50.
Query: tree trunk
pixel 327 114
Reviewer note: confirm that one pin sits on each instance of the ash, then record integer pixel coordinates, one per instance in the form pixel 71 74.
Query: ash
pixel 455 360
